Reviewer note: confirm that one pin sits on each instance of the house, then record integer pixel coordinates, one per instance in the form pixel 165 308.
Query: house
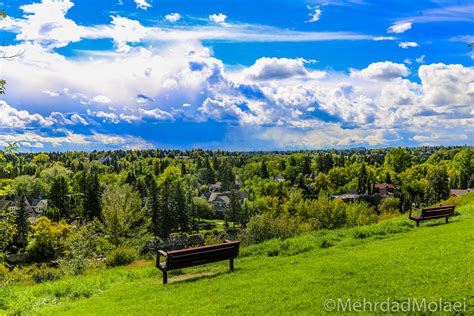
pixel 221 200
pixel 278 178
pixel 41 206
pixel 216 187
pixel 384 188
pixel 459 192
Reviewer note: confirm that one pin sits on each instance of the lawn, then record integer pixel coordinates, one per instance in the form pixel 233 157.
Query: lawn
pixel 392 259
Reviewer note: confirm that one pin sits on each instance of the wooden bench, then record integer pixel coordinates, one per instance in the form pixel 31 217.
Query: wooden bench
pixel 433 212
pixel 184 258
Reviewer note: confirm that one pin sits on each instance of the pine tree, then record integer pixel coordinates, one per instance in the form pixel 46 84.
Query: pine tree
pixel 181 209
pixel 153 204
pixel 264 170
pixel 235 211
pixel 58 195
pixel 21 220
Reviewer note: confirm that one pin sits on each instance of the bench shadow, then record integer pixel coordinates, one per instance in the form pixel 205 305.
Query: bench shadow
pixel 193 277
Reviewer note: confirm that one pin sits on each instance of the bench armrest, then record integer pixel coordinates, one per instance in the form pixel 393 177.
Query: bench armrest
pixel 162 253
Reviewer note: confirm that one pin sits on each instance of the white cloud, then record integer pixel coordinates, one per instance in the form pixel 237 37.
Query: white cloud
pixel 399 27
pixel 101 99
pixel 408 44
pixel 385 38
pixel 420 59
pixel 315 13
pixel 218 18
pixel 381 71
pixel 277 68
pixel 173 17
pixel 11 117
pixel 142 4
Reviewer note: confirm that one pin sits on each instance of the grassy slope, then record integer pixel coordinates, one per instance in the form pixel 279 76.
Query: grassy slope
pixel 390 259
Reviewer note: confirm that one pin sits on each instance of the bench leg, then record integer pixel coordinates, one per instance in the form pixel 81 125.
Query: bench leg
pixel 417 223
pixel 232 265
pixel 165 277
pixel 447 220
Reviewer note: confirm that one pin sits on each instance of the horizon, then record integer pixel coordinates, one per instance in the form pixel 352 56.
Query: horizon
pixel 273 76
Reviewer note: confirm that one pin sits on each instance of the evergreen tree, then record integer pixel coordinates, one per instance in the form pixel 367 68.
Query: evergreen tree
pixel 58 195
pixel 264 170
pixel 234 211
pixel 181 209
pixel 21 220
pixel 363 178
pixel 153 204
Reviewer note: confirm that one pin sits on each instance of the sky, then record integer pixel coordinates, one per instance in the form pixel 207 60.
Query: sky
pixel 240 76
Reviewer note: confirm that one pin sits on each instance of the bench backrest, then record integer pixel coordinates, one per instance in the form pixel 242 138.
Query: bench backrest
pixel 178 259
pixel 438 211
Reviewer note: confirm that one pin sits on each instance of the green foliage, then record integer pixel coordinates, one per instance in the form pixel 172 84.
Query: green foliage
pixel 83 245
pixel 121 256
pixel 7 230
pixel 46 238
pixel 389 205
pixel 45 274
pixel 264 227
pixel 397 159
pixel 58 195
pixel 124 216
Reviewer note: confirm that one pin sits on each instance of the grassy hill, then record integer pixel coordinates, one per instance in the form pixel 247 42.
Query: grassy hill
pixel 392 259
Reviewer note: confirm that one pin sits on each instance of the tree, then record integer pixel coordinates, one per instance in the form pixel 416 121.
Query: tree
pixel 362 180
pixel 234 211
pixel 438 184
pixel 7 230
pixel 21 219
pixel 153 204
pixel 181 208
pixel 58 195
pixel 463 161
pixel 397 159
pixel 264 171
pixel 123 214
pixel 46 238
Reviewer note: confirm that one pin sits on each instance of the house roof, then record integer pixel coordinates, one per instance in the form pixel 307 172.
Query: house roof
pixel 384 186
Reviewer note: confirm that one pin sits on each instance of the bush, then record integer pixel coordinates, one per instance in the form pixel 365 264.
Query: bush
pixel 390 205
pixel 121 256
pixel 264 227
pixel 45 274
pixel 359 213
pixel 47 238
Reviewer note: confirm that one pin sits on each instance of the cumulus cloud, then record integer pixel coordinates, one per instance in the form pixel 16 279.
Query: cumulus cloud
pixel 218 18
pixel 277 68
pixel 399 27
pixel 173 17
pixel 142 4
pixel 315 13
pixel 381 71
pixel 11 117
pixel 408 44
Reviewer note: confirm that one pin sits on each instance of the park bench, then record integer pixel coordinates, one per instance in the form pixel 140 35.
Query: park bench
pixel 178 259
pixel 433 213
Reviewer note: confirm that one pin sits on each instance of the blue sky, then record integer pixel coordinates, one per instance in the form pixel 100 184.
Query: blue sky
pixel 258 75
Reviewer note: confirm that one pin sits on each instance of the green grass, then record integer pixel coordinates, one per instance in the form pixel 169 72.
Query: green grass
pixel 392 259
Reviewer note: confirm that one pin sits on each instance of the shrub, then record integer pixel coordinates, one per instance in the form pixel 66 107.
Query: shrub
pixel 46 238
pixel 45 274
pixel 264 227
pixel 359 213
pixel 390 205
pixel 121 256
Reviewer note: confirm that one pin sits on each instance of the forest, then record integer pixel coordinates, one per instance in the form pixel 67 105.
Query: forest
pixel 63 213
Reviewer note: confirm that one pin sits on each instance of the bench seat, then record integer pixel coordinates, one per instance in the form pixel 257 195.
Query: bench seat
pixel 442 211
pixel 190 257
